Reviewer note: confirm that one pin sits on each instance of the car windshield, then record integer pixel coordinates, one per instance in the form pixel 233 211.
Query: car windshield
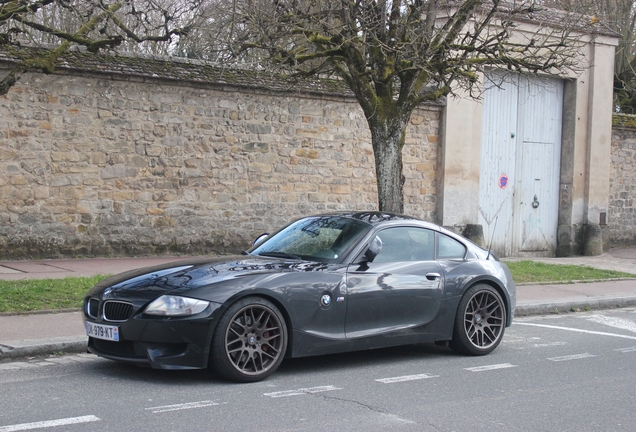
pixel 321 238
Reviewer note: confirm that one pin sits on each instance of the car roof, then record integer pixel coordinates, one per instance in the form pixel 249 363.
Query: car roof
pixel 378 217
pixel 385 218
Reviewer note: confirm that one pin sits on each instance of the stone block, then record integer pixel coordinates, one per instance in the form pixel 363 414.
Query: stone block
pixel 40 192
pixel 256 146
pixel 307 153
pixel 117 171
pixel 317 197
pixel 309 133
pixel 260 167
pixel 258 128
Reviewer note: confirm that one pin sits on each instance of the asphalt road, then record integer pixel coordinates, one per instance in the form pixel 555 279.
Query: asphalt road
pixel 573 372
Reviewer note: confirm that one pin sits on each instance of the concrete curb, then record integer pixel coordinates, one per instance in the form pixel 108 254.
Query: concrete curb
pixel 41 312
pixel 41 347
pixel 574 282
pixel 569 306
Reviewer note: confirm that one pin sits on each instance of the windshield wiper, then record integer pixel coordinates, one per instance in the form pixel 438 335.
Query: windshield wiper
pixel 281 255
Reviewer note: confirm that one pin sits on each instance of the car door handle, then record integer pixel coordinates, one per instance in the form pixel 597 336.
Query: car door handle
pixel 433 276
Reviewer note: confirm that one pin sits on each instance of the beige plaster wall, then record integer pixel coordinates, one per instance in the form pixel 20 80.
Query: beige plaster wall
pixel 600 106
pixel 587 181
pixel 461 138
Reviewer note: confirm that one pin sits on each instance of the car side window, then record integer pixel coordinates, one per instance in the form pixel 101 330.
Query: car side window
pixel 406 244
pixel 449 248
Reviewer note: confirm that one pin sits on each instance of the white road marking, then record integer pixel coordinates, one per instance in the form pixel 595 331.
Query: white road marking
pixel 183 406
pixel 626 350
pixel 77 358
pixel 49 423
pixel 18 365
pixel 406 378
pixel 571 357
pixel 518 339
pixel 392 418
pixel 576 330
pixel 302 391
pixel 549 344
pixel 67 359
pixel 612 322
pixel 490 367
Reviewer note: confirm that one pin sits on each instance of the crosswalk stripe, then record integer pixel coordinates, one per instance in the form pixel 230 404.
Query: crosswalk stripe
pixel 406 378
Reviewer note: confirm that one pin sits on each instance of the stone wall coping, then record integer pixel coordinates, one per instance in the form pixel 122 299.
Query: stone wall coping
pixel 181 69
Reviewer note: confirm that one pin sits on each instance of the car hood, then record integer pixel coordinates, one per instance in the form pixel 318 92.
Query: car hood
pixel 189 276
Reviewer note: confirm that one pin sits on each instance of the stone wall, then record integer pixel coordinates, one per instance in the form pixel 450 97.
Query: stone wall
pixel 622 201
pixel 103 165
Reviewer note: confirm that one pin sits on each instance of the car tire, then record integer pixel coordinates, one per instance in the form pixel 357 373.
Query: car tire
pixel 250 340
pixel 480 321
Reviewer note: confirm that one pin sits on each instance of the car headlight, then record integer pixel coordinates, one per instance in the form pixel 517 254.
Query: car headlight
pixel 168 305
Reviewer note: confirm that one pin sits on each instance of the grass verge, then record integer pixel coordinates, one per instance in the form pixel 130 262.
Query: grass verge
pixel 30 295
pixel 531 271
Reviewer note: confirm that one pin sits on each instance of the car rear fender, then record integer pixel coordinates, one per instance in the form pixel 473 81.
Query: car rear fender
pixel 500 289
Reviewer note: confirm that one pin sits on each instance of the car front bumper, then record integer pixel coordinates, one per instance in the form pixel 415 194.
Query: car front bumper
pixel 161 343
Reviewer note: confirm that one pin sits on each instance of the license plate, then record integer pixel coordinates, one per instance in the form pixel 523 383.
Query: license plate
pixel 100 331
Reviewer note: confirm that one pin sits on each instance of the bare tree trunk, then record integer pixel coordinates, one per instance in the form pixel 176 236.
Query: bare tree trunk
pixel 387 139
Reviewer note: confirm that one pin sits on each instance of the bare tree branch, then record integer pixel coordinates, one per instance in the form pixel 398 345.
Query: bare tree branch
pixel 136 25
pixel 396 54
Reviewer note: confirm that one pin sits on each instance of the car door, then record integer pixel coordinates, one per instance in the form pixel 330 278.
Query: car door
pixel 401 288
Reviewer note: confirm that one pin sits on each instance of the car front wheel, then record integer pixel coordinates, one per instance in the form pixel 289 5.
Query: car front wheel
pixel 480 321
pixel 250 340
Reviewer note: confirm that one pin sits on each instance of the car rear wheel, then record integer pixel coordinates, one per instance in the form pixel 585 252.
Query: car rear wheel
pixel 480 321
pixel 250 340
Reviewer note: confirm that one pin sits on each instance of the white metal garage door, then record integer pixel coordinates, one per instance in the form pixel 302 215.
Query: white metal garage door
pixel 520 163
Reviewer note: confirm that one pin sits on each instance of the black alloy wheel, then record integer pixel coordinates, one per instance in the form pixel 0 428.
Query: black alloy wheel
pixel 480 321
pixel 250 341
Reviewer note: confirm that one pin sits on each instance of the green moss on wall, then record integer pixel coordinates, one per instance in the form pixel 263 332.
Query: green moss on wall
pixel 624 120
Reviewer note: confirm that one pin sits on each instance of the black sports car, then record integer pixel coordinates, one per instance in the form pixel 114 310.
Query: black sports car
pixel 323 284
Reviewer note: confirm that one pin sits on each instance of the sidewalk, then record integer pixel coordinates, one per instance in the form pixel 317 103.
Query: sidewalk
pixel 48 333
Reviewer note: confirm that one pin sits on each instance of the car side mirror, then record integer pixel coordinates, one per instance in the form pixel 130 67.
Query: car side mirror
pixel 373 250
pixel 260 238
